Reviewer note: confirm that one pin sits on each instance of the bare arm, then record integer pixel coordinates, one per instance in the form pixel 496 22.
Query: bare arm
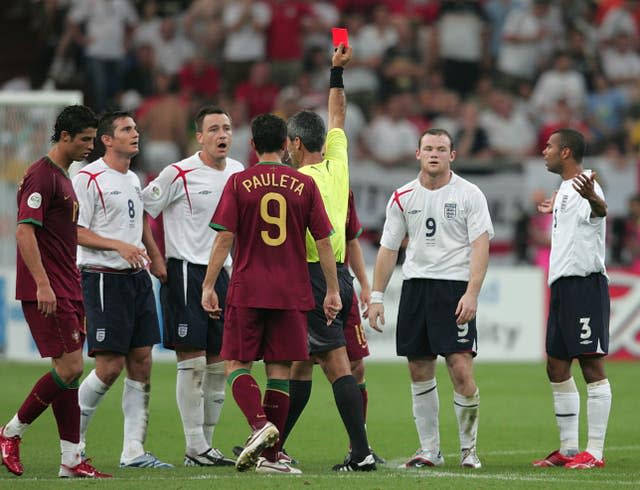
pixel 468 304
pixel 337 109
pixel 28 248
pixel 584 186
pixel 385 265
pixel 356 261
pixel 332 302
pixel 219 252
pixel 136 257
pixel 158 267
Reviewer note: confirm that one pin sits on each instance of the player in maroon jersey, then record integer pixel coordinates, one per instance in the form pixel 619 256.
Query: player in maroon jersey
pixel 268 208
pixel 48 284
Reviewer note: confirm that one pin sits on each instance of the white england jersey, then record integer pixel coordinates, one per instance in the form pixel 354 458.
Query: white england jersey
pixel 110 206
pixel 187 194
pixel 577 239
pixel 441 224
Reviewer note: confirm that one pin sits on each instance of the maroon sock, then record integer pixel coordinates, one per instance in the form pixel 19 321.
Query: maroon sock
pixel 42 394
pixel 365 400
pixel 67 413
pixel 246 393
pixel 276 407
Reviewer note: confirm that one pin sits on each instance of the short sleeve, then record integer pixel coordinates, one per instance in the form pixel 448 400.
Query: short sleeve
pixel 160 192
pixel 395 227
pixel 336 146
pixel 36 192
pixel 319 224
pixel 226 215
pixel 478 217
pixel 86 198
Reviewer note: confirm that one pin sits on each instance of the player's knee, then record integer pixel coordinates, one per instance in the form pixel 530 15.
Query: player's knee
pixel 70 372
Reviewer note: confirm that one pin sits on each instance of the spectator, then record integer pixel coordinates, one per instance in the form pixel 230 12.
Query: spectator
pixel 199 80
pixel 620 20
pixel 139 76
pixel 401 68
pixel 258 92
pixel 471 140
pixel 605 111
pixel 520 54
pixel 462 43
pixel 562 116
pixel 245 23
pixel 104 28
pixel 631 239
pixel 162 122
pixel 621 63
pixel 390 138
pixel 174 47
pixel 285 38
pixel 510 132
pixel 562 82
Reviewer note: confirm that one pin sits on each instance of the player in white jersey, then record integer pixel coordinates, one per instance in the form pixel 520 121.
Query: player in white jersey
pixel 121 314
pixel 446 219
pixel 579 307
pixel 187 194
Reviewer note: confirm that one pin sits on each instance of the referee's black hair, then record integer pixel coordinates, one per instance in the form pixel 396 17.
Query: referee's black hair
pixel 73 119
pixel 310 128
pixel 572 139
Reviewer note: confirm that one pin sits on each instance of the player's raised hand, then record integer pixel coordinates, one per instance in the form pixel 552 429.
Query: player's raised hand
pixel 332 306
pixel 546 206
pixel 583 184
pixel 376 312
pixel 341 55
pixel 210 302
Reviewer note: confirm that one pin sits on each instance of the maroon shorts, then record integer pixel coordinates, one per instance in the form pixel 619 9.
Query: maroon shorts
pixel 251 334
pixel 55 335
pixel 357 347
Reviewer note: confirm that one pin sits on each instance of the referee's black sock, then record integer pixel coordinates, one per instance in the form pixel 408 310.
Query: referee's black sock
pixel 299 393
pixel 349 403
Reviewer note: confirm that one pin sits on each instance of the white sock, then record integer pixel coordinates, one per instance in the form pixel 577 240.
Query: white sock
pixel 189 396
pixel 90 394
pixel 69 453
pixel 598 407
pixel 426 408
pixel 566 403
pixel 14 427
pixel 467 410
pixel 135 407
pixel 213 393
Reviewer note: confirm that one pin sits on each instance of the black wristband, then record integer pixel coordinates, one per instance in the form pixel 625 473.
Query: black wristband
pixel 335 81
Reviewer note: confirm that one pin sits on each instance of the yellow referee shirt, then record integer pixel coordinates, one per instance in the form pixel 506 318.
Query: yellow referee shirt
pixel 332 177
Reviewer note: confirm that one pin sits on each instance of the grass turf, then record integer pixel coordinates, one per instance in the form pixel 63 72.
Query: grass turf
pixel 516 426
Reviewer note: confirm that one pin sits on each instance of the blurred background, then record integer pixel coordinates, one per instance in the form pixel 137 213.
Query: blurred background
pixel 499 75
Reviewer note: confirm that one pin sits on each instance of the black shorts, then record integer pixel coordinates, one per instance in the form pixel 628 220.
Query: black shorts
pixel 578 323
pixel 427 319
pixel 121 311
pixel 185 322
pixel 323 337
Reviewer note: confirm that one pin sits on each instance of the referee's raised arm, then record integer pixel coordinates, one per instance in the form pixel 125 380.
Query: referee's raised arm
pixel 337 110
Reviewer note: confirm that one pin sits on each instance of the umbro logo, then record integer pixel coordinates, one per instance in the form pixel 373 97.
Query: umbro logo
pixel 586 342
pixel 463 341
pixel 414 211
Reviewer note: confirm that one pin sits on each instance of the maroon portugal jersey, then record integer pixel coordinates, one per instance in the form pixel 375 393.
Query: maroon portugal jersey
pixel 353 228
pixel 46 200
pixel 269 208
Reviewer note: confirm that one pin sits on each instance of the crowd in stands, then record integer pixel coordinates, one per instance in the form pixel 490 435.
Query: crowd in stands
pixel 499 75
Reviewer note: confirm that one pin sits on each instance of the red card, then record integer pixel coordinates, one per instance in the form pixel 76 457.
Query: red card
pixel 340 35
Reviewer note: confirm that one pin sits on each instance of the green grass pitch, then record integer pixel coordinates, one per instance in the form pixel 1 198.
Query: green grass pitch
pixel 516 426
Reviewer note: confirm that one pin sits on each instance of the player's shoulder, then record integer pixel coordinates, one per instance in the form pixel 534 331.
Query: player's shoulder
pixel 234 166
pixel 408 188
pixel 464 185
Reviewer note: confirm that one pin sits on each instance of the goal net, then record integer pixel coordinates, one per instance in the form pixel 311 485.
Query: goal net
pixel 26 125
